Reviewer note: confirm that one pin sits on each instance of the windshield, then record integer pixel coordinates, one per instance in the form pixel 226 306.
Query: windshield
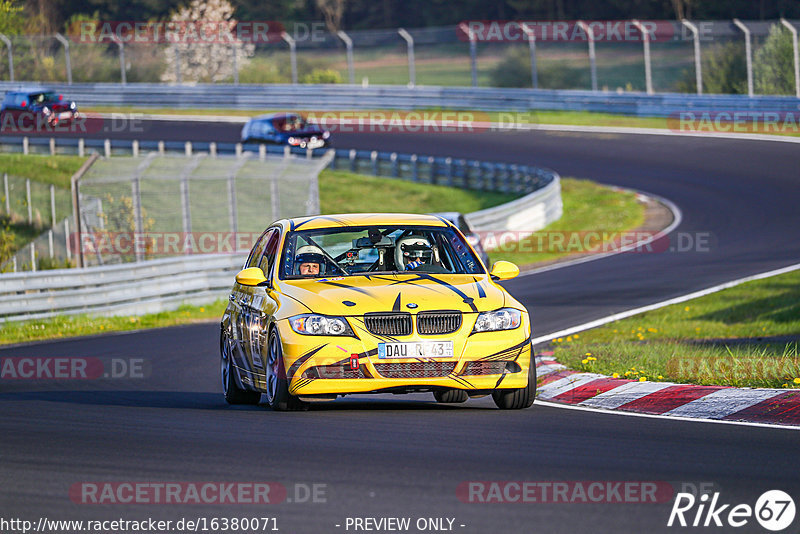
pixel 335 252
pixel 47 96
pixel 290 123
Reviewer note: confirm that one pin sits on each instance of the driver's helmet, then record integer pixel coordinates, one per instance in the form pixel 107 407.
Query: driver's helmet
pixel 411 251
pixel 309 254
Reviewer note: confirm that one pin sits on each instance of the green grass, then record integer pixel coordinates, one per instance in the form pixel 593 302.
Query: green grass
pixel 709 340
pixel 345 192
pixel 83 325
pixel 48 170
pixel 588 207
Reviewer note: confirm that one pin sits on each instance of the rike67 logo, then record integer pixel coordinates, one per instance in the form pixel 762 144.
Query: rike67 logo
pixel 774 510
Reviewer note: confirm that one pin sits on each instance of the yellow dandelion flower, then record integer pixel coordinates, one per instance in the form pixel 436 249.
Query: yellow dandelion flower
pixel 588 354
pixel 627 373
pixel 569 338
pixel 559 340
pixel 133 319
pixel 642 379
pixel 615 331
pixel 652 330
pixel 591 359
pixel 797 380
pixel 660 377
pixel 633 368
pixel 584 361
pixel 202 310
pixel 615 375
pixel 686 308
pixel 785 386
pixel 576 336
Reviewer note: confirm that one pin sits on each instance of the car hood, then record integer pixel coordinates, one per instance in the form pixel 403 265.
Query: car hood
pixel 357 295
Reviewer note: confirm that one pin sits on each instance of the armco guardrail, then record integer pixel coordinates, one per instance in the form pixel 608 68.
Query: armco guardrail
pixel 468 174
pixel 524 215
pixel 123 289
pixel 343 97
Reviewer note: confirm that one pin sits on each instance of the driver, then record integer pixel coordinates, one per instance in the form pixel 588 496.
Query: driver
pixel 412 251
pixel 309 261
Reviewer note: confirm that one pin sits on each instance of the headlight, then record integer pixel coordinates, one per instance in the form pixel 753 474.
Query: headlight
pixel 72 106
pixel 311 324
pixel 502 319
pixel 294 141
pixel 326 134
pixel 46 110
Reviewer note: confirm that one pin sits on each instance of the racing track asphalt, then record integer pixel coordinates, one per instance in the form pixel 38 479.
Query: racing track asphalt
pixel 405 456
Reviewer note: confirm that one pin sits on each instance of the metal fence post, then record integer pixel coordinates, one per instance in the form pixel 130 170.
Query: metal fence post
pixel 136 200
pixel 349 44
pixel 473 51
pixel 592 56
pixel 235 51
pixel 412 68
pixel 28 200
pixel 748 51
pixel 698 65
pixel 65 42
pixel 66 239
pixel 7 42
pixel 50 243
pixel 81 147
pixel 292 54
pixel 648 77
pixel 123 75
pixel 33 257
pixel 395 166
pixel 52 205
pixel 374 159
pixel 796 56
pixel 5 191
pixel 531 37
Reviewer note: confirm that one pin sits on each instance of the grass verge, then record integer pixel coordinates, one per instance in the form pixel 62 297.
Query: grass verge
pixel 743 336
pixel 588 207
pixel 84 325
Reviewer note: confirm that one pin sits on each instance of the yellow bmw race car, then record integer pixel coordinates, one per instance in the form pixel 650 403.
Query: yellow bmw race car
pixel 334 305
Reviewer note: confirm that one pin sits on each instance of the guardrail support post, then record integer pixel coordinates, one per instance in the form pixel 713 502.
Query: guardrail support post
pixel 395 166
pixel 412 68
pixel 50 243
pixel 414 168
pixel 187 149
pixel 292 54
pixel 350 67
pixel 135 148
pixel 7 42
pixel 161 148
pixel 531 37
pixel 33 257
pixel 648 77
pixel 262 152
pixel 52 146
pixel 796 56
pixel 352 160
pixel 748 51
pixel 698 65
pixel 68 65
pixel 136 200
pixel 592 56
pixel 473 51
pixel 25 146
pixel 212 149
pixel 107 148
pixel 81 147
pixel 374 159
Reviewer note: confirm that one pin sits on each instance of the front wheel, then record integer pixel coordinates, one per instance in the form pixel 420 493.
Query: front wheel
pixel 451 396
pixel 233 393
pixel 278 395
pixel 517 399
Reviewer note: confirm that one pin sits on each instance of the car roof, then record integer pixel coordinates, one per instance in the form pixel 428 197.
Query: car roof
pixel 272 116
pixel 364 219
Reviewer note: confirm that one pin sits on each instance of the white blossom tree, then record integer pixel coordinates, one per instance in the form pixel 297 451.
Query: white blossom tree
pixel 202 36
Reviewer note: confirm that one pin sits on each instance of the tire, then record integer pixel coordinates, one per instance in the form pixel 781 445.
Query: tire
pixel 278 396
pixel 233 393
pixel 451 396
pixel 517 399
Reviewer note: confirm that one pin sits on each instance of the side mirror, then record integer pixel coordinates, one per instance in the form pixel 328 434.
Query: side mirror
pixel 252 276
pixel 504 270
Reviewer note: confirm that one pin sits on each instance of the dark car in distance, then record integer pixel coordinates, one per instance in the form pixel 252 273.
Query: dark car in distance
pixel 36 108
pixel 285 129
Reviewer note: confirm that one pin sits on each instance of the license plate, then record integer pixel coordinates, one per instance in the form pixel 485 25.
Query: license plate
pixel 65 115
pixel 416 349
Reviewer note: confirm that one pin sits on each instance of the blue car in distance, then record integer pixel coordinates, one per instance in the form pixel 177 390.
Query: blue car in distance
pixel 285 129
